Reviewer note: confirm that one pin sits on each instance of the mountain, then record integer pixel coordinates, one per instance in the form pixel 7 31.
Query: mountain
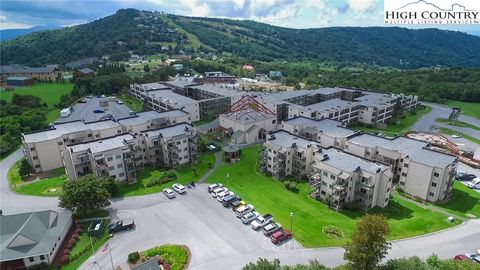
pixel 142 32
pixel 8 34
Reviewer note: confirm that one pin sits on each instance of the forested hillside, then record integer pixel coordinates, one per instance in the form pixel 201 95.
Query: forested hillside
pixel 151 32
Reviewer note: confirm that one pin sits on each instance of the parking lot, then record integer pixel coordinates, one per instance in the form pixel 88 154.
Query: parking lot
pixel 195 219
pixel 85 110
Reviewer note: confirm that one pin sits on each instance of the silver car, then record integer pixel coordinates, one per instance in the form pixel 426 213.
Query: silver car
pixel 168 193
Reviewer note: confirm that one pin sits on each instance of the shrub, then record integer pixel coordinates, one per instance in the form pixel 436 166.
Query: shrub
pixel 399 190
pixel 290 185
pixel 71 241
pixel 78 230
pixel 75 235
pixel 66 252
pixel 69 245
pixel 133 257
pixel 351 206
pixel 333 232
pixel 64 259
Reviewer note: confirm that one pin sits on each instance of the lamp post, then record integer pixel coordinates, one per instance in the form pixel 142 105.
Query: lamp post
pixel 291 222
pixel 228 175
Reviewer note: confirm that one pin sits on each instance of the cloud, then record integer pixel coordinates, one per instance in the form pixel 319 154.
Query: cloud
pixel 362 5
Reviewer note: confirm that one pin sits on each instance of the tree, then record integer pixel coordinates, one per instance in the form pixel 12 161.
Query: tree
pixel 146 68
pixel 263 264
pixel 111 186
pixel 25 168
pixel 369 243
pixel 85 195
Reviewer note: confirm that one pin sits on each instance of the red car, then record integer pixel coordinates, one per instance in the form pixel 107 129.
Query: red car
pixel 461 257
pixel 280 236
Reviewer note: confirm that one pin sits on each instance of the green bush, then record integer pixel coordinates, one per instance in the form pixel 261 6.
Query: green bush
pixel 333 232
pixel 290 185
pixel 133 257
pixel 174 255
pixel 165 177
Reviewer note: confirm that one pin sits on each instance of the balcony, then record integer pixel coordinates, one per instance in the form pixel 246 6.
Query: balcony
pixel 101 166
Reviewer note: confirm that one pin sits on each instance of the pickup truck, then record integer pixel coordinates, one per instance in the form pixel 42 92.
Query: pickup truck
pixel 121 225
pixel 261 221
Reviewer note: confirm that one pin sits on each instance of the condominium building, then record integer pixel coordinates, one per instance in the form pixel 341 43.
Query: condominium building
pixel 326 131
pixel 339 178
pixel 43 148
pixel 172 146
pixel 419 170
pixel 107 157
pixel 286 154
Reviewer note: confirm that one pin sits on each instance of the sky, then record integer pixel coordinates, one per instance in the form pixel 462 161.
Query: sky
pixel 287 13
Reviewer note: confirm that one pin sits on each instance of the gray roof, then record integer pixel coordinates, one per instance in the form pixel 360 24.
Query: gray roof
pixel 67 128
pixel 348 162
pixel 31 234
pixel 151 264
pixel 170 132
pixel 325 126
pixel 20 69
pixel 85 70
pixel 285 140
pixel 102 145
pixel 144 117
pixel 248 116
pixel 410 147
pixel 170 97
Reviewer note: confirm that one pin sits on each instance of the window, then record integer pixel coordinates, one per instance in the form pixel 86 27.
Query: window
pixel 119 131
pixel 325 174
pixel 436 174
pixel 89 135
pixel 121 174
pixel 34 157
pixel 323 192
pixel 109 158
pixel 332 176
pixel 118 156
pixel 431 194
pixel 185 149
pixel 402 183
pixel 434 184
pixel 32 148
pixel 185 157
pixel 404 174
pixel 97 135
pixel 37 166
pixel 60 143
pixel 31 259
pixel 184 141
pixel 178 142
pixel 111 168
pixel 324 183
pixel 120 166
pixel 405 165
pixel 42 257
pixel 274 121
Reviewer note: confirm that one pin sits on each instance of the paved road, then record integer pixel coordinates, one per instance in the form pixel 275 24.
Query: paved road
pixel 217 239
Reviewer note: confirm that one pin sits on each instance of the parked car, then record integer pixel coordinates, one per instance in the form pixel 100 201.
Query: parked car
pixel 180 189
pixel 261 221
pixel 214 186
pixel 89 96
pixel 169 193
pixel 235 204
pixel 83 100
pixel 271 228
pixel 119 101
pixel 217 191
pixel 121 225
pixel 249 217
pixel 228 200
pixel 456 136
pixel 242 210
pixel 98 111
pixel 473 256
pixel 221 195
pixel 280 236
pixel 462 257
pixel 467 177
pixel 474 184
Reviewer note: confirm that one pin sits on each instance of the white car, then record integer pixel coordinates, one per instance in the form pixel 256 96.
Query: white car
pixel 214 186
pixel 222 194
pixel 169 193
pixel 456 136
pixel 180 189
pixel 242 210
pixel 474 184
pixel 249 217
pixel 217 191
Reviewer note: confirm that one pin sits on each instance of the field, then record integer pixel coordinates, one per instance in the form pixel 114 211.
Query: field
pixel 310 216
pixel 464 201
pixel 401 127
pixel 184 175
pixel 468 108
pixel 51 185
pixel 49 92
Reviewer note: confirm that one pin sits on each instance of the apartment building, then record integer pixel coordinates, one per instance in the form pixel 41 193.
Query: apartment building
pixel 419 171
pixel 339 178
pixel 43 148
pixel 326 131
pixel 48 73
pixel 106 157
pixel 286 154
pixel 171 146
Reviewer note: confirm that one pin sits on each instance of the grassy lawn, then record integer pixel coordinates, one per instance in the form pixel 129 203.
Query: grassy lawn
pixel 82 248
pixel 49 92
pixel 402 126
pixel 464 201
pixel 457 123
pixel 131 102
pixel 310 216
pixel 50 186
pixel 468 108
pixel 448 131
pixel 184 175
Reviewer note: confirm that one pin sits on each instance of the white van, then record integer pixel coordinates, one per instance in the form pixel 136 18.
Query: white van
pixel 474 184
pixel 242 210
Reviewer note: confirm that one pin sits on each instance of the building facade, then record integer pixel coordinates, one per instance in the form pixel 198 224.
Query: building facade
pixel 49 73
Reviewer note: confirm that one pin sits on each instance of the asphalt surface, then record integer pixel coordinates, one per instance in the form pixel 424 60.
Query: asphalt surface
pixel 85 111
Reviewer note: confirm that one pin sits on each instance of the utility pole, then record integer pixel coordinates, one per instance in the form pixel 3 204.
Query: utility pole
pixel 291 222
